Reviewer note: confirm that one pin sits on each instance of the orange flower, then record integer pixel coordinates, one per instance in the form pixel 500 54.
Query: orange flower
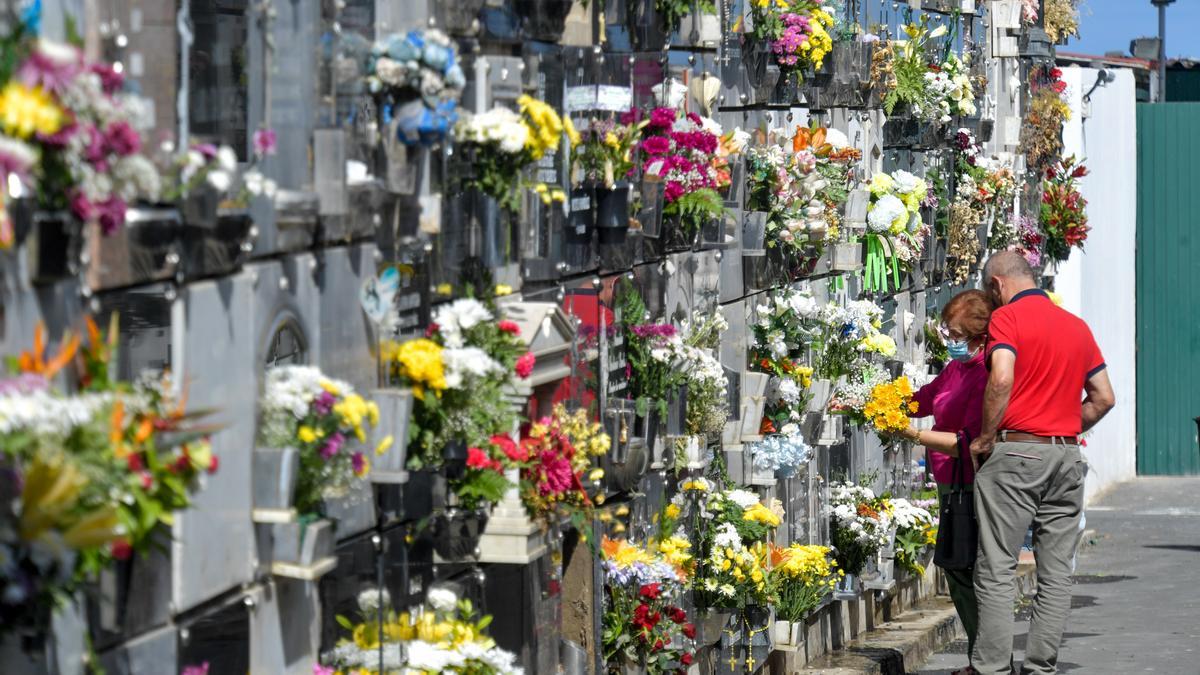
pixel 116 431
pixel 34 362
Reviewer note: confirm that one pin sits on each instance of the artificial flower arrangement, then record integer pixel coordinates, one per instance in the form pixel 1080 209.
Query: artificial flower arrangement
pixel 87 478
pixel 802 187
pixel 895 231
pixel 916 533
pixel 205 165
pixel 460 374
pixel 950 90
pixel 859 528
pixel 851 339
pixel 1063 216
pixel 556 457
pixel 605 155
pixel 781 453
pixel 985 189
pixel 695 353
pixel 644 623
pixel 913 76
pixel 442 637
pixel 327 423
pixel 421 65
pixel 69 132
pixel 803 575
pixel 1041 130
pixel 501 143
pixel 1062 19
pixel 682 151
pixel 730 543
pixel 795 31
pixel 788 321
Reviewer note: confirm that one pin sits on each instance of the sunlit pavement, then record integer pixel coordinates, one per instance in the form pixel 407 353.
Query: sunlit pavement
pixel 1136 604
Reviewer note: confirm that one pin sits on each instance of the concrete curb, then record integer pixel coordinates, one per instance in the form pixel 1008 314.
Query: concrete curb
pixel 906 642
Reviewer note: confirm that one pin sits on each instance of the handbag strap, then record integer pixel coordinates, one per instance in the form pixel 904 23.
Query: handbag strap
pixel 964 448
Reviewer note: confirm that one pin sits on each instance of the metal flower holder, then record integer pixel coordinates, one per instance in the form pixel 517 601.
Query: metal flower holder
pixel 395 413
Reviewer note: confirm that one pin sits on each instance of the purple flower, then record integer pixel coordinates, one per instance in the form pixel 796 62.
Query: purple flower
pixel 122 139
pixel 110 80
pixel 672 191
pixel 653 330
pixel 95 153
pixel 24 384
pixel 207 149
pixel 631 116
pixel 82 207
pixel 358 463
pixel 323 403
pixel 333 445
pixel 111 214
pixel 264 142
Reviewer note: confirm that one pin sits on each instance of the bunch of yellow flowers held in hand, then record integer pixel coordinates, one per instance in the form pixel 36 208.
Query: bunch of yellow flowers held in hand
pixel 889 406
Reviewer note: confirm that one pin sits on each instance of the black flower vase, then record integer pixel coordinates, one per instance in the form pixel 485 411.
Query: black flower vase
pixel 454 459
pixel 456 533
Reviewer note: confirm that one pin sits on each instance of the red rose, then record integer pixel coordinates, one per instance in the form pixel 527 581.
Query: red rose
pixel 658 645
pixel 509 327
pixel 677 615
pixel 686 659
pixel 651 591
pixel 689 630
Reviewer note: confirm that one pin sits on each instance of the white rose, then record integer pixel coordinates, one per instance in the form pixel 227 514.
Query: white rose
pixel 442 600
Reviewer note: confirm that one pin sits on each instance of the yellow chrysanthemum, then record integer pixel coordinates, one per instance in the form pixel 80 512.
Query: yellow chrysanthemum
pixel 25 111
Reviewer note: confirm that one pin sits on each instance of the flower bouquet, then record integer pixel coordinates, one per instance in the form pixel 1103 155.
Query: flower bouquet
pixel 1041 130
pixel 643 622
pixel 732 528
pixel 460 375
pixel 1064 209
pixel 601 167
pixel 895 233
pixel 555 456
pixel 417 83
pixel 707 386
pixel 887 408
pixel 446 638
pixel 913 75
pixel 916 533
pixel 803 576
pixel 788 321
pixel 794 32
pixel 850 339
pixel 69 132
pixel 500 143
pixel 859 528
pixel 781 454
pixel 324 420
pixel 950 90
pixel 681 151
pixel 206 177
pixel 89 478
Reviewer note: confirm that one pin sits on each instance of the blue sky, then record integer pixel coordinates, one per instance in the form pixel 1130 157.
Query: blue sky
pixel 1108 25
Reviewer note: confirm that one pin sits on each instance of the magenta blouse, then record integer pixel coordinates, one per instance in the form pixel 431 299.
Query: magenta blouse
pixel 955 399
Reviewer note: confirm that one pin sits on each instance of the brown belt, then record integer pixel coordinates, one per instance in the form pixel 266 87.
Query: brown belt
pixel 1022 437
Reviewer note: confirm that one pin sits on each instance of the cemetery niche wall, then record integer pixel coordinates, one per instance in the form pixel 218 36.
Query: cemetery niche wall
pixel 483 336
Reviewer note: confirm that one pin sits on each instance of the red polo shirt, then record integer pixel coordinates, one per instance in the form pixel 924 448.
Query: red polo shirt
pixel 1056 355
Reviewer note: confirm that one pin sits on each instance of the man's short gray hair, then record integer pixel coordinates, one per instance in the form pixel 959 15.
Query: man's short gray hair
pixel 1008 264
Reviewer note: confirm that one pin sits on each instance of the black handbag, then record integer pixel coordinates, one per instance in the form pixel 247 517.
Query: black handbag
pixel 958 531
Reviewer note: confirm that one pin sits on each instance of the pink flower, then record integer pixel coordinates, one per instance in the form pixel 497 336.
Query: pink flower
pixel 359 464
pixel 201 669
pixel 333 445
pixel 51 70
pixel 559 477
pixel 96 153
pixel 264 142
pixel 525 365
pixel 509 327
pixel 673 191
pixel 111 214
pixel 110 80
pixel 662 118
pixel 514 452
pixel 631 116
pixel 59 139
pixel 83 209
pixel 122 139
pixel 655 145
pixel 319 669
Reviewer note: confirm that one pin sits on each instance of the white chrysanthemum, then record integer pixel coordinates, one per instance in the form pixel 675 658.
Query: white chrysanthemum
pixel 462 363
pixel 886 213
pixel 452 319
pixel 442 600
pixel 743 498
pixel 372 599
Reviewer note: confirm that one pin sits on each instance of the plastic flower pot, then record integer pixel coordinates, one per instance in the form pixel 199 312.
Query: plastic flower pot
pixel 395 411
pixel 754 230
pixel 454 459
pixel 788 636
pixel 52 243
pixel 848 588
pixel 456 533
pixel 710 624
pixel 820 392
pixel 273 474
pixel 612 207
pixel 650 215
pixel 543 20
pixel 632 668
pixel 846 256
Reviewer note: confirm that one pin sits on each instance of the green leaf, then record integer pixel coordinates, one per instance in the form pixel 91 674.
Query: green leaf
pixel 344 622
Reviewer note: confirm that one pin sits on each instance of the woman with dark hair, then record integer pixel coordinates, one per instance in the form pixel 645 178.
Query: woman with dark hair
pixel 955 400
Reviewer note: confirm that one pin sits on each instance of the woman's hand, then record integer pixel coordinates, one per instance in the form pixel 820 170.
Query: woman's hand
pixel 911 434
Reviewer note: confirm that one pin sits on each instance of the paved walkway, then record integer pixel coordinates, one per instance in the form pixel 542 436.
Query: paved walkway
pixel 1136 606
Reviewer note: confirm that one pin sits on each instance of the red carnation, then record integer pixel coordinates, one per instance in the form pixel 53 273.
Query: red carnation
pixel 431 329
pixel 1056 73
pixel 509 327
pixel 478 459
pixel 677 615
pixel 1079 172
pixel 651 591
pixel 525 365
pixel 689 630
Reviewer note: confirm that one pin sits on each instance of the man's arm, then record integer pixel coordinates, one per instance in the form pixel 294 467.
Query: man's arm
pixel 1099 398
pixel 995 402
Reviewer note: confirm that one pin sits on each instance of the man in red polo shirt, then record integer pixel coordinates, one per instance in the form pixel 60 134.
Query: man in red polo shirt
pixel 1043 360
